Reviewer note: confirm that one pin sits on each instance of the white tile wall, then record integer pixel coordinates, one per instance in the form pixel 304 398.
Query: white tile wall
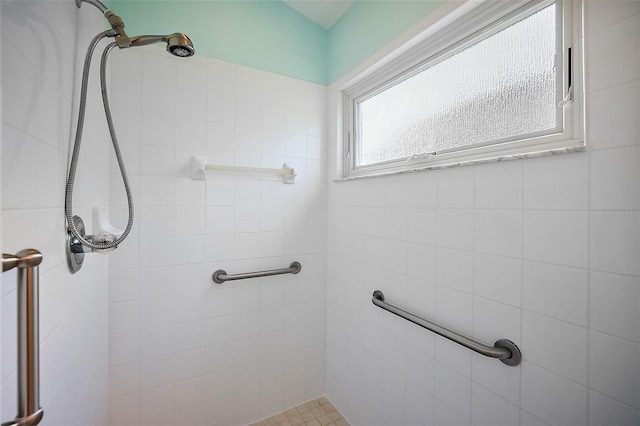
pixel 39 62
pixel 541 251
pixel 240 351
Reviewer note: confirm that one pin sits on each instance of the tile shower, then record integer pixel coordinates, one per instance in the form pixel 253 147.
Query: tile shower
pixel 543 251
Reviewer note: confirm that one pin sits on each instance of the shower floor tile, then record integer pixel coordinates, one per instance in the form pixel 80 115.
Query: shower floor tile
pixel 319 412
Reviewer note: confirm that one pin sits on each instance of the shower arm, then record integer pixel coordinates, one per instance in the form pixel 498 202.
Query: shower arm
pixel 145 40
pixel 121 37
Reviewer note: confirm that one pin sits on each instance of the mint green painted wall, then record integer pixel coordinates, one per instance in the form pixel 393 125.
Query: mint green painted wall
pixel 367 27
pixel 267 35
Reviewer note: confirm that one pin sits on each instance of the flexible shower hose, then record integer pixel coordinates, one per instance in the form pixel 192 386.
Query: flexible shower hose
pixel 68 204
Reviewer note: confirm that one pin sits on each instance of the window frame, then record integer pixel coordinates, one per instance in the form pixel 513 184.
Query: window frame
pixel 476 22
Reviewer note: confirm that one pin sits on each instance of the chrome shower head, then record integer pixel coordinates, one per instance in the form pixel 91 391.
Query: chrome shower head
pixel 178 44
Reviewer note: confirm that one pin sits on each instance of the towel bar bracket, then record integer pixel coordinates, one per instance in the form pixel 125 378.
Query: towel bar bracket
pixel 30 420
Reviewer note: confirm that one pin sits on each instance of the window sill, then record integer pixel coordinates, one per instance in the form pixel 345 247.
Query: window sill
pixel 578 147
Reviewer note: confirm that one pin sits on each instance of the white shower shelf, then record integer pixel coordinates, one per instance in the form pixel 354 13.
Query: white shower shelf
pixel 200 167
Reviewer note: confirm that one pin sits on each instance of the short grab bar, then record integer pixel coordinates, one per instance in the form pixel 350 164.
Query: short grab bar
pixel 505 350
pixel 221 275
pixel 29 411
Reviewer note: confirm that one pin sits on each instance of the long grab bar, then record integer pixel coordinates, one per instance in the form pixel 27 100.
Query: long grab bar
pixel 27 261
pixel 505 350
pixel 221 275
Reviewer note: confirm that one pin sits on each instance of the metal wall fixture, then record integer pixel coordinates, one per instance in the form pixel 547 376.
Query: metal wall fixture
pixel 504 350
pixel 199 168
pixel 220 276
pixel 27 262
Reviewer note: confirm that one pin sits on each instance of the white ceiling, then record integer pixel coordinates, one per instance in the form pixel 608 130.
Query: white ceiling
pixel 323 12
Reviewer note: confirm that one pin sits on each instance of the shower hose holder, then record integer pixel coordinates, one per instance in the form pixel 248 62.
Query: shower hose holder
pixel 76 250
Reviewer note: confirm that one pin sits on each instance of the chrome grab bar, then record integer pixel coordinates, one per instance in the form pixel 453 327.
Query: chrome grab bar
pixel 221 276
pixel 505 350
pixel 27 261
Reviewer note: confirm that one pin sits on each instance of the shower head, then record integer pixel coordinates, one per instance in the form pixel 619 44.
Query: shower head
pixel 178 44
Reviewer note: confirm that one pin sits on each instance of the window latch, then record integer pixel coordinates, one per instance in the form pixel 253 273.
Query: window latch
pixel 425 156
pixel 568 97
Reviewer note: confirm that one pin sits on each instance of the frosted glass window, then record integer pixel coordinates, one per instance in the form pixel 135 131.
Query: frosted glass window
pixel 493 90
